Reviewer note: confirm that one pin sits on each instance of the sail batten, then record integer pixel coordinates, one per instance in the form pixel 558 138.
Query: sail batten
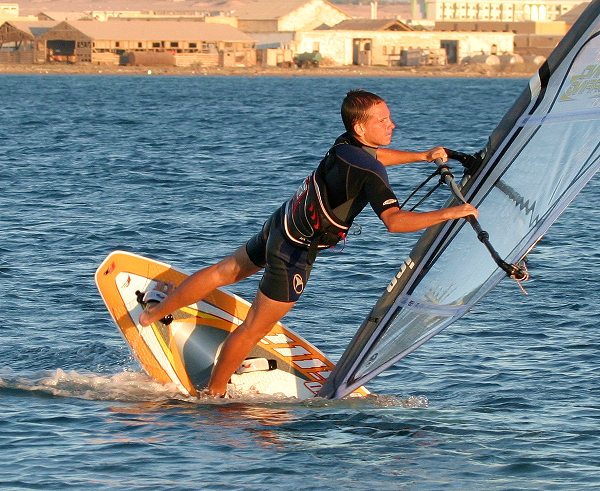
pixel 543 152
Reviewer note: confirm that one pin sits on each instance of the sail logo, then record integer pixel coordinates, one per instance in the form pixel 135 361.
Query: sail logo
pixel 584 84
pixel 407 264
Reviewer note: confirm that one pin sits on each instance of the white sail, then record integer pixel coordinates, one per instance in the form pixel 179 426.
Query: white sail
pixel 537 160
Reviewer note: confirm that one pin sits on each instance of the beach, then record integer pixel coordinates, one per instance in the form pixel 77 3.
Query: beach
pixel 459 70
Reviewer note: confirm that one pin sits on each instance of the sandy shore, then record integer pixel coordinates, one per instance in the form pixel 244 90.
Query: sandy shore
pixel 472 70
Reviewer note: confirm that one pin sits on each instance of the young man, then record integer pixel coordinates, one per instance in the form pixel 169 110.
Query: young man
pixel 350 176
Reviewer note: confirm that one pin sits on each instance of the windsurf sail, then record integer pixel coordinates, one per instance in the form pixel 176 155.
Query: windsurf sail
pixel 543 152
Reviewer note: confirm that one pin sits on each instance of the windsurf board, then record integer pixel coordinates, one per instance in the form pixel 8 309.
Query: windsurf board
pixel 182 350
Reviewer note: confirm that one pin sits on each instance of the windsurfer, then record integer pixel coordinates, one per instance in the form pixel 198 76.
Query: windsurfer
pixel 351 175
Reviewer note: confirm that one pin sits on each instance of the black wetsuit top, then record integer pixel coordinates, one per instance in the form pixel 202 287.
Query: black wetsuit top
pixel 323 208
pixel 354 177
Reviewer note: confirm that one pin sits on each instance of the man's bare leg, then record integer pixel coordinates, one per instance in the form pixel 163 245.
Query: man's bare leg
pixel 262 316
pixel 229 270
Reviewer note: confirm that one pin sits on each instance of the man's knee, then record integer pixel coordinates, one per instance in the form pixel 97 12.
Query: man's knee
pixel 235 267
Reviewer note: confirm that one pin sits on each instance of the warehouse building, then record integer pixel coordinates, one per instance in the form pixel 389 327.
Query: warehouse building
pixel 181 43
pixel 18 40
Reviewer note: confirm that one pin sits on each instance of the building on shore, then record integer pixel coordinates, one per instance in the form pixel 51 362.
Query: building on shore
pixel 112 43
pixel 289 16
pixel 273 34
pixel 18 40
pixel 9 10
pixel 274 25
pixel 530 38
pixel 59 16
pixel 492 10
pixel 387 47
pixel 163 15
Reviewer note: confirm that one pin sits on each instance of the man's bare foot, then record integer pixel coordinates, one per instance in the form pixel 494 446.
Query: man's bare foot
pixel 211 394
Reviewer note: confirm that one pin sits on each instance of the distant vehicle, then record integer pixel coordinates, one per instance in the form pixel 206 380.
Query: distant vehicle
pixel 308 60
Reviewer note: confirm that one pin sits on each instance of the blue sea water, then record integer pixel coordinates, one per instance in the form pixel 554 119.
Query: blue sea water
pixel 184 169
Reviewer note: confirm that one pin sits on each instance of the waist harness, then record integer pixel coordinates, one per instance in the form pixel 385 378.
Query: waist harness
pixel 309 221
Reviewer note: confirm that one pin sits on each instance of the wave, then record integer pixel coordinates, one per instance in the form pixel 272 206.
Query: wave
pixel 130 386
pixel 124 386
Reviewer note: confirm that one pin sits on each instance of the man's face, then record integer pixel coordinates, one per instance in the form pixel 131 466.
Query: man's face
pixel 377 130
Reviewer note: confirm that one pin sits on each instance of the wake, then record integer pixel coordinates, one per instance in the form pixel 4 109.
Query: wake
pixel 130 386
pixel 124 386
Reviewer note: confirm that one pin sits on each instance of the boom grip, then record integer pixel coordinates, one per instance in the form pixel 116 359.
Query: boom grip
pixel 511 270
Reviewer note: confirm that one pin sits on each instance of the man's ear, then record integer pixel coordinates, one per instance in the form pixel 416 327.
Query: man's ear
pixel 359 129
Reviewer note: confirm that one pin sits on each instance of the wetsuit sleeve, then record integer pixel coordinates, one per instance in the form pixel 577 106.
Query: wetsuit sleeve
pixel 379 194
pixel 355 176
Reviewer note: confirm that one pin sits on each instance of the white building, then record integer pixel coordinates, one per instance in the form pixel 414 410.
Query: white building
pixel 492 10
pixel 384 48
pixel 9 10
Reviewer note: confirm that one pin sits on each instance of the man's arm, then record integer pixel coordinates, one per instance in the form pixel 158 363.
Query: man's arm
pixel 399 221
pixel 390 156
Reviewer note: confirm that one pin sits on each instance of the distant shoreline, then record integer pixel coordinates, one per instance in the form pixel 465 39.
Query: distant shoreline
pixel 459 71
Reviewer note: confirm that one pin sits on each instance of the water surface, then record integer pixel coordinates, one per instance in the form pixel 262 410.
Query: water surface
pixel 184 170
